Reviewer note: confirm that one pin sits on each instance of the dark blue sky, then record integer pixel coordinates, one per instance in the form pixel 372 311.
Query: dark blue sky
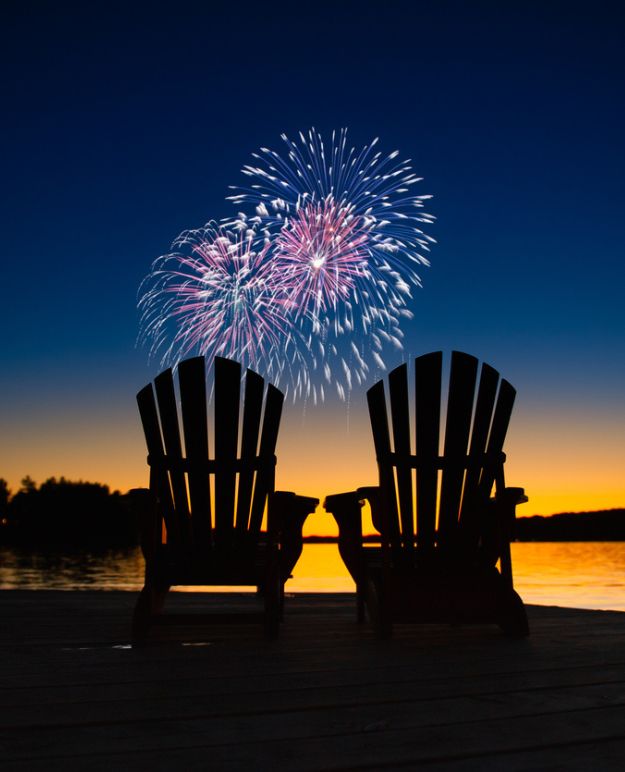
pixel 125 123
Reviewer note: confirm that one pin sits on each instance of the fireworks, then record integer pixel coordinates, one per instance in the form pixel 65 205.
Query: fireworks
pixel 222 294
pixel 309 287
pixel 373 190
pixel 321 250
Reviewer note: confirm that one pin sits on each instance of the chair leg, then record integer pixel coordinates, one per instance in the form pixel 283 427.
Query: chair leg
pixel 149 604
pixel 142 617
pixel 273 605
pixel 513 618
pixel 385 624
pixel 378 611
pixel 360 603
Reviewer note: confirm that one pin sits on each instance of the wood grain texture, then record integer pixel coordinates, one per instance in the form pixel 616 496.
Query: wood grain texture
pixel 326 695
pixel 227 389
pixel 192 377
pixel 428 409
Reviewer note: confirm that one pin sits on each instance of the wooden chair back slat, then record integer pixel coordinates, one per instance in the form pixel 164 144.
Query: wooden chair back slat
pixel 244 476
pixel 252 409
pixel 158 478
pixel 227 392
pixel 461 392
pixel 400 418
pixel 265 476
pixel 493 473
pixel 472 504
pixel 427 416
pixel 382 443
pixel 166 399
pixel 471 456
pixel 192 380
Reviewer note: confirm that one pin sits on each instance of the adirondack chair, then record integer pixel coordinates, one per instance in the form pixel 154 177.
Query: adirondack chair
pixel 442 533
pixel 202 519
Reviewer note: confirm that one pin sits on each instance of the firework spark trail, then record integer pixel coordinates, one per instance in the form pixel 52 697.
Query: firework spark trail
pixel 347 230
pixel 311 288
pixel 373 190
pixel 222 295
pixel 320 251
pixel 374 186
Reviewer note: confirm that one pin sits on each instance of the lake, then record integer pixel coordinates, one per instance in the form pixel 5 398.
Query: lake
pixel 575 574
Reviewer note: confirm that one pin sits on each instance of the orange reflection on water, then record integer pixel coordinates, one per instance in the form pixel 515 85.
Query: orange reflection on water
pixel 572 574
pixel 320 569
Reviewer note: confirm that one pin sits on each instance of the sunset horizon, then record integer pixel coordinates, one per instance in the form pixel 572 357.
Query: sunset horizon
pixel 350 270
pixel 512 126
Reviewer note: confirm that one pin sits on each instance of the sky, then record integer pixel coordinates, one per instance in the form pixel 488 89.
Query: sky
pixel 125 123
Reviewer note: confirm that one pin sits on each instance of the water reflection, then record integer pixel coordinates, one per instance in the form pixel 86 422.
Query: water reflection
pixel 37 570
pixel 575 574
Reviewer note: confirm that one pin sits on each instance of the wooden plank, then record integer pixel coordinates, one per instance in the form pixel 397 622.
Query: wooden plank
pixel 192 379
pixel 412 731
pixel 221 714
pixel 458 425
pixel 154 442
pixel 227 391
pixel 166 399
pixel 469 517
pixel 265 476
pixel 398 392
pixel 152 698
pixel 252 410
pixel 427 416
pixel 376 402
pixel 219 698
pixel 499 428
pixel 580 756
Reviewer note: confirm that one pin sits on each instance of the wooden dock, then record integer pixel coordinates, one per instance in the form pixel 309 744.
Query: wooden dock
pixel 326 696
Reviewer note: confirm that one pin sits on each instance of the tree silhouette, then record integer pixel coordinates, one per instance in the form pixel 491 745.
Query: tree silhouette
pixel 69 514
pixel 5 495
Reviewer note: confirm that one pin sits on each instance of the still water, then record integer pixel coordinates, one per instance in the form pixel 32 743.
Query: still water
pixel 574 574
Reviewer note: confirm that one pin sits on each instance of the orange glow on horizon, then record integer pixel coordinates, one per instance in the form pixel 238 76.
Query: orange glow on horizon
pixel 565 462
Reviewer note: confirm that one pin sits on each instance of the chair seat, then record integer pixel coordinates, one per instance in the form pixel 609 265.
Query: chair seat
pixel 442 594
pixel 237 564
pixel 434 561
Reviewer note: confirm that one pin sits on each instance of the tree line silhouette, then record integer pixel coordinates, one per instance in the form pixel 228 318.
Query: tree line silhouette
pixel 603 525
pixel 64 513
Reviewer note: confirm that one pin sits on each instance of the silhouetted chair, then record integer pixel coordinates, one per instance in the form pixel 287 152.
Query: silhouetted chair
pixel 442 533
pixel 202 519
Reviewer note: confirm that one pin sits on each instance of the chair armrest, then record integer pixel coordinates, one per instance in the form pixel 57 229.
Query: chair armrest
pixel 512 496
pixel 346 510
pixel 505 502
pixel 373 494
pixel 287 513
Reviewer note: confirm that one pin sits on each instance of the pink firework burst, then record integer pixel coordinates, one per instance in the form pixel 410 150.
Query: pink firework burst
pixel 321 253
pixel 223 295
